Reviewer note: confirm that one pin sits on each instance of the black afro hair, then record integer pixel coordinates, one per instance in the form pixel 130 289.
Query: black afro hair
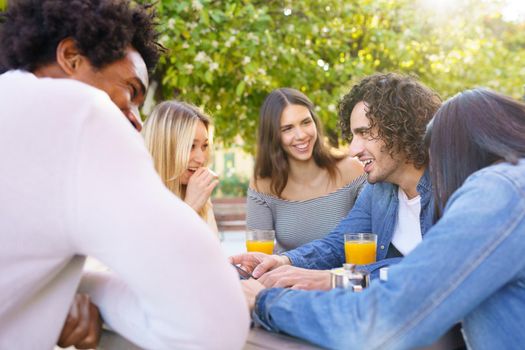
pixel 30 31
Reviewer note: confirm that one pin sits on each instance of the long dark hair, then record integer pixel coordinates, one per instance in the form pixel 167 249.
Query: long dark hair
pixel 470 131
pixel 271 160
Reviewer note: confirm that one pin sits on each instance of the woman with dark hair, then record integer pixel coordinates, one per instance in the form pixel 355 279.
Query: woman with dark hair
pixel 296 175
pixel 469 269
pixel 477 128
pixel 477 163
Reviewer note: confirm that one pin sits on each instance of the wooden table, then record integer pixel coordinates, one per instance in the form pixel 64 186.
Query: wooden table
pixel 258 339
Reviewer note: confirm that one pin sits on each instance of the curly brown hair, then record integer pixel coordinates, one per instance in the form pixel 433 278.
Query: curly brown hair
pixel 400 106
pixel 30 31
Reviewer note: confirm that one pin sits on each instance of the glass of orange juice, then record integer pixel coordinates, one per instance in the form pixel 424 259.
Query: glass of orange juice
pixel 260 241
pixel 360 248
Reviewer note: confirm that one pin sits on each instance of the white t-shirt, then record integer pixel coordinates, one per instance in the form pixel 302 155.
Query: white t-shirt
pixel 407 234
pixel 76 181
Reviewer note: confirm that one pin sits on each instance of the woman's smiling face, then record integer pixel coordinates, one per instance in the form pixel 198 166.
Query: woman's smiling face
pixel 298 132
pixel 199 153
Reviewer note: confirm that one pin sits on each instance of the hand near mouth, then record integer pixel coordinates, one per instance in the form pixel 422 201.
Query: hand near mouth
pixel 199 188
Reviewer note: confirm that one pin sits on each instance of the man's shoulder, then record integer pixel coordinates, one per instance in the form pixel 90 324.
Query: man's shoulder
pixel 68 91
pixel 379 188
pixel 74 90
pixel 63 102
pixel 377 195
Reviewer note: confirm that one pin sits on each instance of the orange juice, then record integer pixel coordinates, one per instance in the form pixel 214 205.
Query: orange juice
pixel 260 246
pixel 360 253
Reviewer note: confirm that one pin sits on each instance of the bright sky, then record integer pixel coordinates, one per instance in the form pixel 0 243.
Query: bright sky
pixel 514 10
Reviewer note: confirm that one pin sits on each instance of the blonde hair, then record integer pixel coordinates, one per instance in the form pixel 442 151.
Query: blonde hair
pixel 169 133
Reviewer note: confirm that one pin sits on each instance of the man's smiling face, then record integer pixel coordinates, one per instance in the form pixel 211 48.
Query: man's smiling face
pixel 125 81
pixel 371 150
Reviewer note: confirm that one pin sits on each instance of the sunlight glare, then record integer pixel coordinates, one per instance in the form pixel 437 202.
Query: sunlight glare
pixel 514 10
pixel 439 7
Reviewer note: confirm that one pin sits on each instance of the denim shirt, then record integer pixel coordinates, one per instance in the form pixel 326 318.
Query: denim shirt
pixel 470 268
pixel 375 211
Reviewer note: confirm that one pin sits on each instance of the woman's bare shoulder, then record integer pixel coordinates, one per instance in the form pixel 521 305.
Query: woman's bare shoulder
pixel 261 185
pixel 349 169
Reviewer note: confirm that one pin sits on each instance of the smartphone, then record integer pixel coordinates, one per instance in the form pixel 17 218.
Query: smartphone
pixel 243 275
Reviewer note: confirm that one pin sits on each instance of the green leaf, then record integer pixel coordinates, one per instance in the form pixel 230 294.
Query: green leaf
pixel 205 18
pixel 239 90
pixel 208 77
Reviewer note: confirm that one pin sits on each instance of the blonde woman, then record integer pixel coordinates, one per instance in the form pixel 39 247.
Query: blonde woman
pixel 176 134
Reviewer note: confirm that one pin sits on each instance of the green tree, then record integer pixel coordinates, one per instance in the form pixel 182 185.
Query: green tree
pixel 228 55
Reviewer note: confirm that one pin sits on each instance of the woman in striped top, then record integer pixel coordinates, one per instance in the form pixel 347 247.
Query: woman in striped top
pixel 299 189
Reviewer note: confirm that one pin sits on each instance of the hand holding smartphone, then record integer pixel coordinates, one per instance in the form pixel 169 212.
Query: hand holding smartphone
pixel 243 275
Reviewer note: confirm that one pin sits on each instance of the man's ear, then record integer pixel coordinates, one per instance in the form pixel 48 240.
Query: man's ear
pixel 68 56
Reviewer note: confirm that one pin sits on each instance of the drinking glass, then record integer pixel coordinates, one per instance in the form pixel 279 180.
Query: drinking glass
pixel 360 248
pixel 260 241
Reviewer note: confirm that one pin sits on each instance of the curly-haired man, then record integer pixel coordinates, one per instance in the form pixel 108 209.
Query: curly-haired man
pixel 77 181
pixel 385 117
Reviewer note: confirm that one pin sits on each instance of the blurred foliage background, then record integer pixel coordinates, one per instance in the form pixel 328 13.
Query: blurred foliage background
pixel 227 55
pixel 234 185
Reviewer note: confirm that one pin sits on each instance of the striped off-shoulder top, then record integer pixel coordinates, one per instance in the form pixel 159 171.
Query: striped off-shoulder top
pixel 299 222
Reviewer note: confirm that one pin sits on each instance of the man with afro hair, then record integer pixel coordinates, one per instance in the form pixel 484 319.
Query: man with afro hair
pixel 77 181
pixel 86 41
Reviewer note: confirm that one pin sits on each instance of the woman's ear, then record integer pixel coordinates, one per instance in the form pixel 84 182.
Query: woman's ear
pixel 68 56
